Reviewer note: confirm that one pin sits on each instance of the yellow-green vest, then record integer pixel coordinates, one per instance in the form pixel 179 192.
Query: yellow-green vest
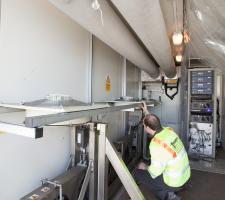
pixel 169 157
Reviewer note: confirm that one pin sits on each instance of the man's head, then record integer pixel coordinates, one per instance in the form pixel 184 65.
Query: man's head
pixel 152 124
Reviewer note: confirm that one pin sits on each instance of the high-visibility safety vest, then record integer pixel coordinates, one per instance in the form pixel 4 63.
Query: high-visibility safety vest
pixel 169 157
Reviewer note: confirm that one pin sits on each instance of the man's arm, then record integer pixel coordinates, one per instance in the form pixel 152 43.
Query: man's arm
pixel 144 108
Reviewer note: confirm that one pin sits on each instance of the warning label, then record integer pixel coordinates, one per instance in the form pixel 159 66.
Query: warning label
pixel 108 84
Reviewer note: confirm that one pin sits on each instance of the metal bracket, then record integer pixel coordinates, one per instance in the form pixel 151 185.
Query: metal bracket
pixel 171 87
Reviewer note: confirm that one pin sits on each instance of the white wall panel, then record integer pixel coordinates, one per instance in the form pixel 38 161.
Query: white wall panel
pixel 107 62
pixel 42 51
pixel 24 161
pixel 132 80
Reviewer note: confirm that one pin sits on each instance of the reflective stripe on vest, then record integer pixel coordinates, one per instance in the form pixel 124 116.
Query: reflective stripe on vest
pixel 180 156
pixel 175 174
pixel 157 163
pixel 165 146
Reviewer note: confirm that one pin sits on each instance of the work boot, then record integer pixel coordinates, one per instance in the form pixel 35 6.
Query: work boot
pixel 172 196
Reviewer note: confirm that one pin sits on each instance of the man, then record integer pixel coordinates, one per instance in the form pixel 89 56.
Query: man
pixel 169 169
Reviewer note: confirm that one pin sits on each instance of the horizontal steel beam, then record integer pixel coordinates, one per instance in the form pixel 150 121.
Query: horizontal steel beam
pixel 42 120
pixel 21 130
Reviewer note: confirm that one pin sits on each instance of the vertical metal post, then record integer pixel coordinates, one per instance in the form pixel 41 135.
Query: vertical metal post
pixel 90 67
pixel 72 146
pixel 145 138
pixel 188 114
pixel 92 158
pixel 221 108
pixel 124 92
pixel 140 85
pixel 102 184
pixel 124 77
pixel 214 115
pixel 140 136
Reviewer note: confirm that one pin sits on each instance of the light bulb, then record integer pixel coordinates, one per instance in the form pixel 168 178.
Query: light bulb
pixel 178 58
pixel 177 38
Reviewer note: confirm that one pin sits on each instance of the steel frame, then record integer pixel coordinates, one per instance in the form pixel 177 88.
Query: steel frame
pixel 33 125
pixel 42 120
pixel 105 148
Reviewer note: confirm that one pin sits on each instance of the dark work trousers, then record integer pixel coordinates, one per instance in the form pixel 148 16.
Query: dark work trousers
pixel 156 186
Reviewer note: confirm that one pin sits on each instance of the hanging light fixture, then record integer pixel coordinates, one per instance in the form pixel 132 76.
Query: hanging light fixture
pixel 177 38
pixel 179 58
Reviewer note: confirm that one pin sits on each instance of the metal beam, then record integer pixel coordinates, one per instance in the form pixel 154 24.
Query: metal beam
pixel 123 172
pixel 21 130
pixel 42 120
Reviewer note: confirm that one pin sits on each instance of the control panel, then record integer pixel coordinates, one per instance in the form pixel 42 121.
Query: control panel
pixel 202 106
pixel 202 82
pixel 201 118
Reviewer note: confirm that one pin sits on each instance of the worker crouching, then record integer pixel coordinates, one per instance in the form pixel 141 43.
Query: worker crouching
pixel 169 169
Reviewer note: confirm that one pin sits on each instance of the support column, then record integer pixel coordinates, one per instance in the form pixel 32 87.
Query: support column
pixel 102 173
pixel 92 181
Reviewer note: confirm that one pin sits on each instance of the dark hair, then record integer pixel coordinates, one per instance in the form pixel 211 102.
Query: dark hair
pixel 153 122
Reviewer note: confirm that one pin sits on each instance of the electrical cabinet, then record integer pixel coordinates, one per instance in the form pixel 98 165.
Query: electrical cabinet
pixel 201 112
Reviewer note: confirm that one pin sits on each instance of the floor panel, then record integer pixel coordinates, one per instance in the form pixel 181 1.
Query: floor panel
pixel 203 185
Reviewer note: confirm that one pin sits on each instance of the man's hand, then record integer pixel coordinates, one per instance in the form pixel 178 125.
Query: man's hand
pixel 144 108
pixel 142 166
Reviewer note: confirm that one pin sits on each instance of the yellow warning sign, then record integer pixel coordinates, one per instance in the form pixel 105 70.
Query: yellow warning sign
pixel 108 84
